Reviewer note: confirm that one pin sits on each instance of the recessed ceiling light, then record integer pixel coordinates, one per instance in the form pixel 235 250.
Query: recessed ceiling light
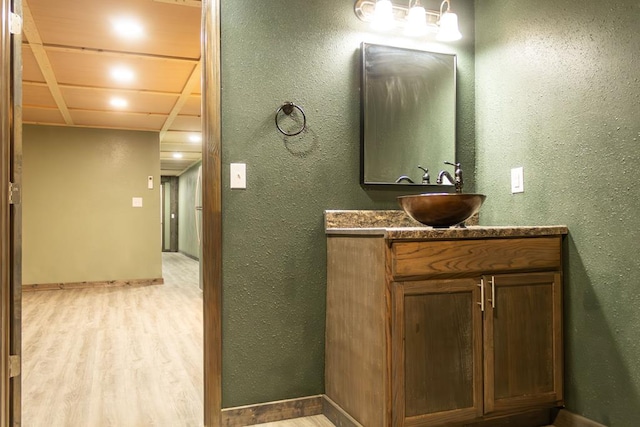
pixel 128 28
pixel 195 137
pixel 118 102
pixel 177 155
pixel 122 75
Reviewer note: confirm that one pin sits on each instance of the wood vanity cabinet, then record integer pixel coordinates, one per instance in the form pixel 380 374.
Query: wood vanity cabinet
pixel 443 332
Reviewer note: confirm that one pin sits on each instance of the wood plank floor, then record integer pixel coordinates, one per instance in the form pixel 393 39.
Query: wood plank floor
pixel 128 356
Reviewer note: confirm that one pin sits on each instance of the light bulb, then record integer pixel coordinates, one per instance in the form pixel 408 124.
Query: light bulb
pixel 448 28
pixel 416 22
pixel 383 15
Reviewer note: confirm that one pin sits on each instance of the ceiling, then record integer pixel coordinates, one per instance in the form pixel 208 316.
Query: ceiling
pixel 70 49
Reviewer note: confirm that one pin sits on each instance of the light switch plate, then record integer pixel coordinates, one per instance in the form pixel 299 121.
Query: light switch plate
pixel 136 202
pixel 517 180
pixel 238 175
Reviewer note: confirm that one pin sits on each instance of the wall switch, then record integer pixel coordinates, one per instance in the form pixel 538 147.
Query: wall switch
pixel 150 182
pixel 136 202
pixel 238 175
pixel 517 180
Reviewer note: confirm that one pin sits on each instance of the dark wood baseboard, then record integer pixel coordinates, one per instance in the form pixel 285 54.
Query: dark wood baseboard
pixel 86 285
pixel 272 411
pixel 322 404
pixel 336 414
pixel 568 419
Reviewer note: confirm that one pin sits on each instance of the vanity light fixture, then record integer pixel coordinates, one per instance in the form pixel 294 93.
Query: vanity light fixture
pixel 415 19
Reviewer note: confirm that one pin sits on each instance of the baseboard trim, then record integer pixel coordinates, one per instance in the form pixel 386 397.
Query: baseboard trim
pixel 323 405
pixel 272 411
pixel 569 419
pixel 87 285
pixel 336 414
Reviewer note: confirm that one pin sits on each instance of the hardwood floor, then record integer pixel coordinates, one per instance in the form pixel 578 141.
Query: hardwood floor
pixel 128 356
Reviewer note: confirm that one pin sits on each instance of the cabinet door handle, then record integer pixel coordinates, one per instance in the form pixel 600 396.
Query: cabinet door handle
pixel 481 303
pixel 493 292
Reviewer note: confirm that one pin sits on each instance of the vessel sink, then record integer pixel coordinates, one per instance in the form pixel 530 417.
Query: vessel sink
pixel 441 209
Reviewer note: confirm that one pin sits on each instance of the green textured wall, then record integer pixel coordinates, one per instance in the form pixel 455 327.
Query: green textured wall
pixel 187 237
pixel 558 92
pixel 78 222
pixel 274 250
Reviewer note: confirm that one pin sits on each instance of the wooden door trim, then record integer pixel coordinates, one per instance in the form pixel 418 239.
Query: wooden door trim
pixel 5 258
pixel 212 213
pixel 11 222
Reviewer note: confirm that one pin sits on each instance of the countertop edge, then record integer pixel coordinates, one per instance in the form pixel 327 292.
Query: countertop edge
pixel 472 232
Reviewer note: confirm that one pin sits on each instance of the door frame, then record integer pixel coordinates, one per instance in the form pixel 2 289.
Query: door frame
pixel 212 213
pixel 172 183
pixel 11 216
pixel 10 225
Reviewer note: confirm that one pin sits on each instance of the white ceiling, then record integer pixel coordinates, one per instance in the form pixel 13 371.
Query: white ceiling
pixel 70 49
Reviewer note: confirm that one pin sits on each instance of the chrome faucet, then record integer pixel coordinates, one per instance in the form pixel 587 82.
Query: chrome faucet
pixel 426 179
pixel 404 178
pixel 457 181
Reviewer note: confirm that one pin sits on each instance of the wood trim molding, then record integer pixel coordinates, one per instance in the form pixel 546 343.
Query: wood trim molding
pixel 5 209
pixel 211 213
pixel 336 414
pixel 86 285
pixel 187 91
pixel 35 42
pixel 569 419
pixel 272 411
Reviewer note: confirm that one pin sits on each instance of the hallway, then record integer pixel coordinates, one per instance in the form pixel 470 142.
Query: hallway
pixel 126 356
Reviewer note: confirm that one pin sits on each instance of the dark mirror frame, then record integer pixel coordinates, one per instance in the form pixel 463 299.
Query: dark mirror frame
pixel 418 60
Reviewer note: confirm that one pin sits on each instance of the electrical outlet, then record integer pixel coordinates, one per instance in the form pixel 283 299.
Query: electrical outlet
pixel 517 180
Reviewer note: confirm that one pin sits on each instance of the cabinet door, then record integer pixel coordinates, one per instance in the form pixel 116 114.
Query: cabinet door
pixel 437 352
pixel 523 341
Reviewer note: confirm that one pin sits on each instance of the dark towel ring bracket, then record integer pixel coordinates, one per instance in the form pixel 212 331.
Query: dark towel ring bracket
pixel 287 108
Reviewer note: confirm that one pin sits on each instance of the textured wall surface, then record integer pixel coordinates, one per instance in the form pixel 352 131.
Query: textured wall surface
pixel 274 250
pixel 78 222
pixel 187 238
pixel 558 92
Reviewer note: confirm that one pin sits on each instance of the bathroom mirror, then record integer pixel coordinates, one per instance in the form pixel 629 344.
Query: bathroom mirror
pixel 408 114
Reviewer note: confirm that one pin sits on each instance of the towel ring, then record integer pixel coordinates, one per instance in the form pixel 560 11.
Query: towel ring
pixel 287 108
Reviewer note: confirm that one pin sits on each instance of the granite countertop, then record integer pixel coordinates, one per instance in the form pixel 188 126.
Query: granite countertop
pixel 396 225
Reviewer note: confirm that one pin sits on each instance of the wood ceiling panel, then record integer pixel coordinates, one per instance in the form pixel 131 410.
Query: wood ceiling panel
pixel 98 99
pixel 37 96
pixel 192 107
pixel 169 29
pixel 93 70
pixel 30 69
pixel 35 115
pixel 185 147
pixel 79 49
pixel 117 120
pixel 187 123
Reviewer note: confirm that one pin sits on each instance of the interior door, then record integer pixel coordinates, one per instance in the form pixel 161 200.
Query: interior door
pixel 10 213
